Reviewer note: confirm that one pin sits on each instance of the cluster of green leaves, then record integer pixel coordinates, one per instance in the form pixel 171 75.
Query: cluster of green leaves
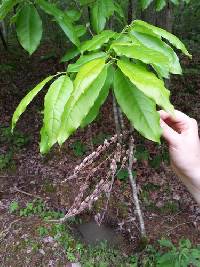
pixel 133 63
pixel 169 255
pixel 160 4
pixel 36 207
pixel 29 23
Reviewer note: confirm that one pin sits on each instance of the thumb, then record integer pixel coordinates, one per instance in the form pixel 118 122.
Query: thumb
pixel 168 133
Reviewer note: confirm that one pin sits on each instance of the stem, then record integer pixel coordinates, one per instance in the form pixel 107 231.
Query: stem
pixel 134 188
pixel 116 118
pixel 121 119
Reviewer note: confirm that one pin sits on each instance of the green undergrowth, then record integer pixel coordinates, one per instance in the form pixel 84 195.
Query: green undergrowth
pixel 13 143
pixel 162 253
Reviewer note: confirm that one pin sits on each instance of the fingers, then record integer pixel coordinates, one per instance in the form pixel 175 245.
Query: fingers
pixel 179 116
pixel 180 122
pixel 169 134
pixel 175 127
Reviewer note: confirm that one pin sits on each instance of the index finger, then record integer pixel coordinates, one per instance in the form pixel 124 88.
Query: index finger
pixel 179 116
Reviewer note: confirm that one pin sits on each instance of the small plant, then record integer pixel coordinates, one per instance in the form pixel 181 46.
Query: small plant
pixel 5 160
pixel 14 206
pixel 43 231
pixel 156 161
pixel 122 175
pixel 16 140
pixel 184 255
pixel 79 148
pixel 99 139
pixel 35 207
pixel 13 143
pixel 141 153
pixel 104 256
pixel 168 255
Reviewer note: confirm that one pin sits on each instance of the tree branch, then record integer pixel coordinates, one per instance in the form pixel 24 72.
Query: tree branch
pixel 134 187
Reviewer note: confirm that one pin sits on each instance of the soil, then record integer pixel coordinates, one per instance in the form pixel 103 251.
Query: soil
pixel 168 208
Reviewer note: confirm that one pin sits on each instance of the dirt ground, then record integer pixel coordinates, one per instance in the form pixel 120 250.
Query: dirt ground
pixel 168 208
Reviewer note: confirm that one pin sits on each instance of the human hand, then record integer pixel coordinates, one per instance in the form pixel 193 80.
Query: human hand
pixel 181 133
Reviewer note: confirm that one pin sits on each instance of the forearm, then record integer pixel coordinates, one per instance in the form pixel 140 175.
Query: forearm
pixel 192 183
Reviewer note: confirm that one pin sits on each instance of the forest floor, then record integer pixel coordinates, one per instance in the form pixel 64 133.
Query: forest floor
pixel 25 175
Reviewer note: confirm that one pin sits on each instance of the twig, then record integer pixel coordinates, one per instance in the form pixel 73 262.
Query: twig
pixel 134 188
pixel 26 193
pixel 7 230
pixel 167 218
pixel 173 228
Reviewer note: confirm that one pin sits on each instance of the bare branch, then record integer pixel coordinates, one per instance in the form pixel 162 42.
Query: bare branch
pixel 134 187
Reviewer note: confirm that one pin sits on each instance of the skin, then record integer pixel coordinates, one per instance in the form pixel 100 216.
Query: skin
pixel 181 133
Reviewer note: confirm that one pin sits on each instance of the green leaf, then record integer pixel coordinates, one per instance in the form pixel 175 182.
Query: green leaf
pixel 6 7
pixel 54 103
pixel 175 2
pixel 156 44
pixel 86 2
pixel 168 260
pixel 87 86
pixel 44 141
pixel 119 10
pixel 83 60
pixel 165 243
pixel 185 243
pixel 29 28
pixel 62 19
pixel 80 30
pixel 97 41
pixel 139 109
pixel 100 11
pixel 27 99
pixel 94 111
pixel 145 3
pixel 69 30
pixel 143 53
pixel 160 4
pixel 70 54
pixel 148 83
pixel 98 19
pixel 145 27
pixel 73 14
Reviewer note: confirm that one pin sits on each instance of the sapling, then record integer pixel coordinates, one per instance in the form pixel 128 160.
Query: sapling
pixel 133 64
